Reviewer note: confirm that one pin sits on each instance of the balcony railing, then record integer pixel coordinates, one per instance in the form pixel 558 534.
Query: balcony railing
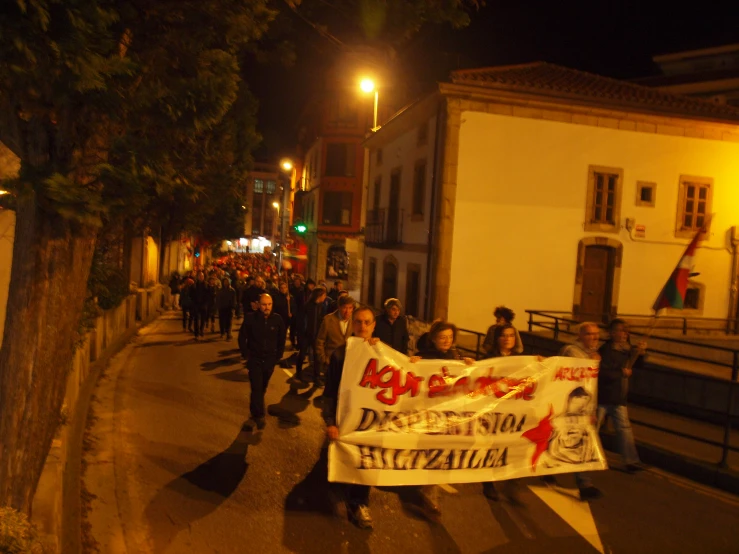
pixel 384 227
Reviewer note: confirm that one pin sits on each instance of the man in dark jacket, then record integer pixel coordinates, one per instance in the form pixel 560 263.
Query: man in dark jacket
pixel 357 496
pixel 262 343
pixel 226 301
pixel 199 296
pixel 618 357
pixel 392 328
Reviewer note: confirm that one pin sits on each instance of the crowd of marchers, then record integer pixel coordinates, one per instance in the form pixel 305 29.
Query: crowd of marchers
pixel 319 320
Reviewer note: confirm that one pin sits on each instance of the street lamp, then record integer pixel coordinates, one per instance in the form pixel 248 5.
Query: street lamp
pixel 288 166
pixel 368 85
pixel 276 206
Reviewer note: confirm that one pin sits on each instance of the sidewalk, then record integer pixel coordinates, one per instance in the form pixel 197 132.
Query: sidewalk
pixel 684 456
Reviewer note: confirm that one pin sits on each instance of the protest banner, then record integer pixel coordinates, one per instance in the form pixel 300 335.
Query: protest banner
pixel 441 421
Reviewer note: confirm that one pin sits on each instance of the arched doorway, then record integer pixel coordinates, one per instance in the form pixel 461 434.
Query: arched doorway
pixel 389 278
pixel 597 278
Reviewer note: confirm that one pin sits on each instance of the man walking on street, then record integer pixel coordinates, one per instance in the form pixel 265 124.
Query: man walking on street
pixel 335 329
pixel 586 347
pixel 357 496
pixel 618 357
pixel 262 343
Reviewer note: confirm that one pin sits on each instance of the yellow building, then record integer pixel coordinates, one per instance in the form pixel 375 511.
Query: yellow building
pixel 541 187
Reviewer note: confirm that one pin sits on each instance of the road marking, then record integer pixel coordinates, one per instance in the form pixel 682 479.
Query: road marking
pixel 575 512
pixel 448 488
pixel 288 372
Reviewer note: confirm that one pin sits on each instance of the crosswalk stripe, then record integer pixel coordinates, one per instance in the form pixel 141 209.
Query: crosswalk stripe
pixel 289 374
pixel 448 488
pixel 575 512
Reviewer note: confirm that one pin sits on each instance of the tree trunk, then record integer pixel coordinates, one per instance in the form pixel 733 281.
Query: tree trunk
pixel 48 285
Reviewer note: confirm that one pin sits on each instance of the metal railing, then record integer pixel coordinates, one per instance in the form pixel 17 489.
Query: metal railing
pixel 384 227
pixel 668 323
pixel 562 323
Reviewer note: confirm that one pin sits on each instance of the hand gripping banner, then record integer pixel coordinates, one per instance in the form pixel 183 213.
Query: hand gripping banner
pixel 441 421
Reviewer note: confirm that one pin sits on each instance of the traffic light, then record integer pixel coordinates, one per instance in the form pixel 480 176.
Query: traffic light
pixel 197 251
pixel 300 228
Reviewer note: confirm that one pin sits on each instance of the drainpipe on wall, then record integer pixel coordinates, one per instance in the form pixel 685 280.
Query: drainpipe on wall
pixel 436 185
pixel 731 324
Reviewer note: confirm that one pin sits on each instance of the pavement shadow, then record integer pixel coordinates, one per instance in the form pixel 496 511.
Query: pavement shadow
pixel 199 492
pixel 290 405
pixel 231 352
pixel 223 362
pixel 159 343
pixel 312 508
pixel 240 375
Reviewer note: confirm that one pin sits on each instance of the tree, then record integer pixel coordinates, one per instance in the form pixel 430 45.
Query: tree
pixel 97 98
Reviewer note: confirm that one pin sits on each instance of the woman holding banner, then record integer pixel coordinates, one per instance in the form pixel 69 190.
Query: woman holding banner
pixel 504 343
pixel 441 337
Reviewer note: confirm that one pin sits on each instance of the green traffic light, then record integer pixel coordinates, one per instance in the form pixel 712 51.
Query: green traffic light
pixel 300 228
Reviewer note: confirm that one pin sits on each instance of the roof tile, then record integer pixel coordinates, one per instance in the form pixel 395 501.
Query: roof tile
pixel 546 78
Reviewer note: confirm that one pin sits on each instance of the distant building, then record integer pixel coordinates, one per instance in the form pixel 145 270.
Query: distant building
pixel 261 222
pixel 541 187
pixel 710 73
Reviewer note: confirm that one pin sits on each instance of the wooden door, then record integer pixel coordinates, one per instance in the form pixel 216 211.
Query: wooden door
pixel 597 283
pixel 393 208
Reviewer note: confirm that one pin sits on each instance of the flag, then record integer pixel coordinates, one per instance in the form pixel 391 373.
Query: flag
pixel 673 293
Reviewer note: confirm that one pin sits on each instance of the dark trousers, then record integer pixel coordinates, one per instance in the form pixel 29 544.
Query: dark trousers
pixel 294 338
pixel 225 317
pixel 356 495
pixel 186 318
pixel 306 349
pixel 260 372
pixel 199 317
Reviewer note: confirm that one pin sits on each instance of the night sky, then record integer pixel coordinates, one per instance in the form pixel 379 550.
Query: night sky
pixel 616 39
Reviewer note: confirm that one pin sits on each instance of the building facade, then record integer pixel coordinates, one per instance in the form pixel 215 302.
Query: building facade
pixel 331 173
pixel 264 201
pixel 553 189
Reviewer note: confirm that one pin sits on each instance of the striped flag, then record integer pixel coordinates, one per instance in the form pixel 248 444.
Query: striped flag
pixel 673 293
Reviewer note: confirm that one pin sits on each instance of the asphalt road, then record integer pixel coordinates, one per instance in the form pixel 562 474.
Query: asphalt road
pixel 169 469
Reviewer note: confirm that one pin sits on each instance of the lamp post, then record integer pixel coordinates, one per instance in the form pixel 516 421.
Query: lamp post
pixel 368 85
pixel 288 166
pixel 276 206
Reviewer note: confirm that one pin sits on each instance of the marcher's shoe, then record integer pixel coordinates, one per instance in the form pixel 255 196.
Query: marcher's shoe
pixel 361 517
pixel 489 490
pixel 261 423
pixel 549 479
pixel 634 468
pixel 228 337
pixel 249 425
pixel 429 509
pixel 590 493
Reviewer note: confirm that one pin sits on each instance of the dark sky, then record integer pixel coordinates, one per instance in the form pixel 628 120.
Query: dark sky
pixel 616 39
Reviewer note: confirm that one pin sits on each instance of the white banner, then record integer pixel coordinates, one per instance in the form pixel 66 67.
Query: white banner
pixel 441 421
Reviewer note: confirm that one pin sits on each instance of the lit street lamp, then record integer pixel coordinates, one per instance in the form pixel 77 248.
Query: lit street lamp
pixel 289 167
pixel 368 85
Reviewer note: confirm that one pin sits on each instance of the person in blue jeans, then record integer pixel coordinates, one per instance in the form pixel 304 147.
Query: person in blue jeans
pixel 618 359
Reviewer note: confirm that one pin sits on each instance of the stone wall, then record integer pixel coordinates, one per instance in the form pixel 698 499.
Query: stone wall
pixel 56 504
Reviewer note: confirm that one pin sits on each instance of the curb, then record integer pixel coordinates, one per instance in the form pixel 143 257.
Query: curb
pixel 70 520
pixel 690 468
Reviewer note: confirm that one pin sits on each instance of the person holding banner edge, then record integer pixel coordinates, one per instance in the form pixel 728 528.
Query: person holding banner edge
pixel 357 496
pixel 618 357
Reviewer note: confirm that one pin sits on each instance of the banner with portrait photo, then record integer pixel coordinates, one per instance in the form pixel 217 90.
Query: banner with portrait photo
pixel 442 421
